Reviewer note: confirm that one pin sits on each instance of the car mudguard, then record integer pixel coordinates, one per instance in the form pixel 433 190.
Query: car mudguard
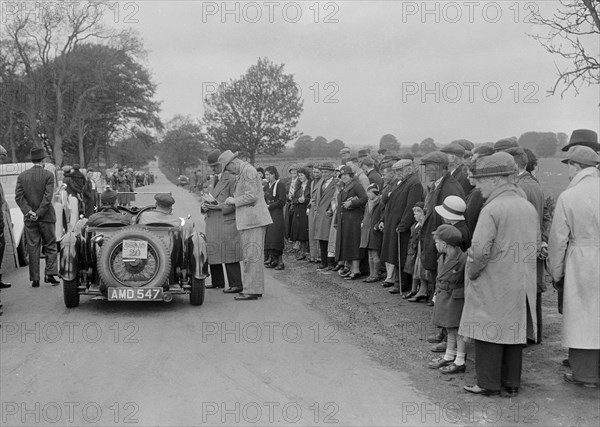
pixel 197 255
pixel 69 256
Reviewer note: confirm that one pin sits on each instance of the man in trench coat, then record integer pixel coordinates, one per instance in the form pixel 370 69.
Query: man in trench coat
pixel 500 277
pixel 573 253
pixel 252 217
pixel 223 243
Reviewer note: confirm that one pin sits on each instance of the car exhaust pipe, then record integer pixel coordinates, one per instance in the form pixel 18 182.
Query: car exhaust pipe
pixel 167 297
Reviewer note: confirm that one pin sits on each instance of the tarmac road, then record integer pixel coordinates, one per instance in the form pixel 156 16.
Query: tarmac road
pixel 272 362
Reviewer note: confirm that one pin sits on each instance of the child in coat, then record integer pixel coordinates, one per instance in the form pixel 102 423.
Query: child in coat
pixel 370 235
pixel 449 297
pixel 413 265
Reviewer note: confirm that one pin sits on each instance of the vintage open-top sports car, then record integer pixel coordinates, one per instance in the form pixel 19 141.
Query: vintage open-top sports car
pixel 150 262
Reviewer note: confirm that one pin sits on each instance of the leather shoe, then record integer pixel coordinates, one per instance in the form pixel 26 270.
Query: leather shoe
pixel 50 279
pixel 352 276
pixel 214 286
pixel 247 297
pixel 5 285
pixel 338 267
pixel 394 290
pixel 234 290
pixel 418 298
pixel 566 363
pixel 439 363
pixel 439 348
pixel 475 389
pixel 35 284
pixel 387 284
pixel 409 295
pixel 453 369
pixel 435 338
pixel 569 378
pixel 511 391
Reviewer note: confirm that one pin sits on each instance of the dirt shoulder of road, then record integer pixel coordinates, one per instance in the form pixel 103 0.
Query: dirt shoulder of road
pixel 393 332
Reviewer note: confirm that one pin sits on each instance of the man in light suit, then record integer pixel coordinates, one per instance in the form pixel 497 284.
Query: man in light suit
pixel 33 194
pixel 222 237
pixel 324 192
pixel 251 217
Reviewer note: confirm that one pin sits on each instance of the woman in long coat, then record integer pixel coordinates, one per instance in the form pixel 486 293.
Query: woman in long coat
pixel 275 235
pixel 351 206
pixel 300 202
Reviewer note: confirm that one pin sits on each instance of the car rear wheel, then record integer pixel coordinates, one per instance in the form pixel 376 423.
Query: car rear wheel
pixel 70 293
pixel 197 293
pixel 150 272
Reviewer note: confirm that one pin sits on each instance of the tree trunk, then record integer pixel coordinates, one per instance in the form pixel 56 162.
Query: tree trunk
pixel 58 137
pixel 252 155
pixel 80 134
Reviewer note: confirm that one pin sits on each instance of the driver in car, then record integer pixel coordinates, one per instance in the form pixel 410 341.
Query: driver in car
pixel 107 213
pixel 162 213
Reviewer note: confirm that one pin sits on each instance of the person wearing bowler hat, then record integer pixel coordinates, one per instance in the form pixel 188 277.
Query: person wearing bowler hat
pixel 573 254
pixel 223 244
pixel 441 185
pixel 396 220
pixel 33 194
pixel 458 170
pixel 162 212
pixel 351 202
pixel 449 297
pixel 500 278
pixel 251 217
pixel 584 137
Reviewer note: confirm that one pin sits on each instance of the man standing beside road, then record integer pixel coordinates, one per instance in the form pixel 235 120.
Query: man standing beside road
pixel 33 194
pixel 573 254
pixel 223 242
pixel 252 217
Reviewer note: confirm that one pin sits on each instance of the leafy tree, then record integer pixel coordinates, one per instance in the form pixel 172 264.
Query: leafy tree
pixel 334 147
pixel 543 144
pixel 573 33
pixel 427 145
pixel 303 147
pixel 320 147
pixel 389 142
pixel 134 151
pixel 563 139
pixel 255 114
pixel 182 145
pixel 415 148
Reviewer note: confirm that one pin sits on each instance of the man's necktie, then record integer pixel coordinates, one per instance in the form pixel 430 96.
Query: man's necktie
pixel 216 180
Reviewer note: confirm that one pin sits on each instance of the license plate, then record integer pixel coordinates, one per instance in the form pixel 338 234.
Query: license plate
pixel 135 294
pixel 135 249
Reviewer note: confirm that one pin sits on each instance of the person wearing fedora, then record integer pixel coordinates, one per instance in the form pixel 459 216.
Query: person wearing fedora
pixel 573 254
pixel 500 278
pixel 33 194
pixel 223 242
pixel 251 218
pixel 584 137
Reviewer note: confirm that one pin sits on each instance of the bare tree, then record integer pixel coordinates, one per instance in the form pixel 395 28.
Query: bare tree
pixel 574 34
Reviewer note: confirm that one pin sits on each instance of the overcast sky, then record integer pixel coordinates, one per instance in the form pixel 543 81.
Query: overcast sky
pixel 367 68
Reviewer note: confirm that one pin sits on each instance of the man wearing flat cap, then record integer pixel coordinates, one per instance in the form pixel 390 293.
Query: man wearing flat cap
pixel 162 212
pixel 505 143
pixel 223 242
pixel 397 218
pixel 573 254
pixel 458 170
pixel 33 194
pixel 107 212
pixel 442 184
pixel 500 278
pixel 252 217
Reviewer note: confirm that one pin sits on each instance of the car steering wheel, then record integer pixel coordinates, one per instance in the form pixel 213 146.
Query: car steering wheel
pixel 146 209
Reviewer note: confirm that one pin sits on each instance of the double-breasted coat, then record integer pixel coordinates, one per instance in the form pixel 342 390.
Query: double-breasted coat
pixel 447 187
pixel 398 217
pixel 573 253
pixel 249 198
pixel 450 290
pixel 321 203
pixel 275 198
pixel 500 274
pixel 222 236
pixel 348 221
pixel 370 235
pixel 298 210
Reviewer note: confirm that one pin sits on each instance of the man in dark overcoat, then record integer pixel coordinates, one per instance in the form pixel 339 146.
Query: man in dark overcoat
pixel 398 217
pixel 223 243
pixel 442 185
pixel 33 194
